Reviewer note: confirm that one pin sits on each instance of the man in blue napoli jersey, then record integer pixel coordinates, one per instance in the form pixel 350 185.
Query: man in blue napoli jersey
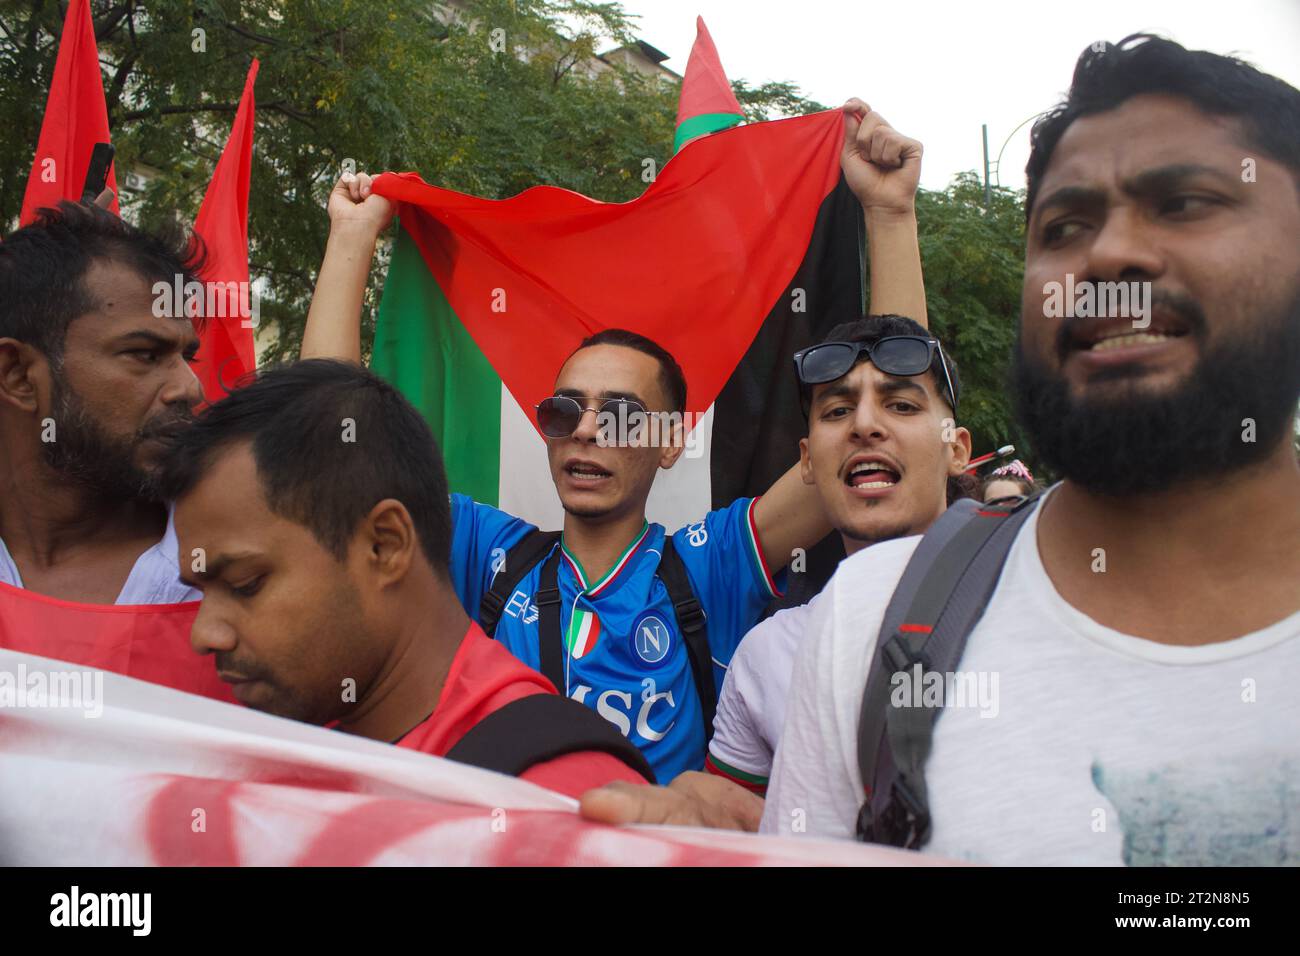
pixel 620 643
pixel 623 649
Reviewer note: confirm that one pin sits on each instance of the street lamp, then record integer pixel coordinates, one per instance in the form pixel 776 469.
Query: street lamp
pixel 993 167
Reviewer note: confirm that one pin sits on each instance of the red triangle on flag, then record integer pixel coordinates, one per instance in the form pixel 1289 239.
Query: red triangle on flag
pixel 226 343
pixel 76 118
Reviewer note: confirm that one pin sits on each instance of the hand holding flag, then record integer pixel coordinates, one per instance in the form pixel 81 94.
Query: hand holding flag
pixel 351 201
pixel 357 217
pixel 882 166
pixel 693 799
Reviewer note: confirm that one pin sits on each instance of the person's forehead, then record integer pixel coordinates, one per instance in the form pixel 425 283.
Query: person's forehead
pixel 123 300
pixel 865 376
pixel 613 369
pixel 1103 150
pixel 226 503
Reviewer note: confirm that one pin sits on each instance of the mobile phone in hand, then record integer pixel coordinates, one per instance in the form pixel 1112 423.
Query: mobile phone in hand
pixel 97 175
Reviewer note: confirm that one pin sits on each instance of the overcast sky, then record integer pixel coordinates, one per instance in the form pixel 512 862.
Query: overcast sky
pixel 937 69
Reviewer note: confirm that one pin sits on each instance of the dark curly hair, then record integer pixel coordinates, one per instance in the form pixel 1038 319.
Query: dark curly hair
pixel 1107 75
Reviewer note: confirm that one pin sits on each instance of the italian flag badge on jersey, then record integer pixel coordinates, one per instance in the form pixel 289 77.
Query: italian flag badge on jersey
pixel 584 632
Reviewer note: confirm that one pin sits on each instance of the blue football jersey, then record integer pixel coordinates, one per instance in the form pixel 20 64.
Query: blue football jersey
pixel 624 655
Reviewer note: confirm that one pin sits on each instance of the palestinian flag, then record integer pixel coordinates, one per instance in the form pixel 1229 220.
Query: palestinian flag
pixel 757 422
pixel 485 300
pixel 583 633
pixel 696 263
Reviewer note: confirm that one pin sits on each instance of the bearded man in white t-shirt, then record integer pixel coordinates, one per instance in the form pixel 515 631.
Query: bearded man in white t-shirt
pixel 1145 631
pixel 885 455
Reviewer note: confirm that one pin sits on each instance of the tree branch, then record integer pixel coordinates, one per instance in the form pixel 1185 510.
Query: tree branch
pixel 111 21
pixel 250 35
pixel 119 83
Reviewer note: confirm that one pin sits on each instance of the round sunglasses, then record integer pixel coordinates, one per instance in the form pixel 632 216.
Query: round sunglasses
pixel 560 415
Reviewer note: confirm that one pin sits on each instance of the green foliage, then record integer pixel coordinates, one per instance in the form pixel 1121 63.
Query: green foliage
pixel 974 265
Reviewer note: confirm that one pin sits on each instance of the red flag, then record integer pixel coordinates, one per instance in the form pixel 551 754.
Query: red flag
pixel 226 343
pixel 145 641
pixel 76 118
pixel 696 262
pixel 707 103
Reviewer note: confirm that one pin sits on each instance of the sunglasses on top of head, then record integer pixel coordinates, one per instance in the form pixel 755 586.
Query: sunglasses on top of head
pixel 905 355
pixel 560 415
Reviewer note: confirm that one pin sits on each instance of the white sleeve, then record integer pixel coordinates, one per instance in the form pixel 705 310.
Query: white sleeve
pixel 811 792
pixel 737 743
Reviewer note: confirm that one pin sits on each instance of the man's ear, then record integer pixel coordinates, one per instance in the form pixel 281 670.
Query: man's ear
pixel 805 463
pixel 672 440
pixel 390 541
pixel 22 369
pixel 959 448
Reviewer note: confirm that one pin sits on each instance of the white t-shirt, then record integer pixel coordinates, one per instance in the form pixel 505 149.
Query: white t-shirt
pixel 154 578
pixel 751 708
pixel 1088 746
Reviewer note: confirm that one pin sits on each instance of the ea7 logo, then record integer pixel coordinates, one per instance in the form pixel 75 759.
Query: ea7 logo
pixel 696 534
pixel 519 606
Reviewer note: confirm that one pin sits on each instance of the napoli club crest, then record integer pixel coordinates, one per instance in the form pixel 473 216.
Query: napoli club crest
pixel 651 638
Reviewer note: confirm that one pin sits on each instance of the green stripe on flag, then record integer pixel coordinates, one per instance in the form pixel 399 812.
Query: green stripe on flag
pixel 423 349
pixel 701 124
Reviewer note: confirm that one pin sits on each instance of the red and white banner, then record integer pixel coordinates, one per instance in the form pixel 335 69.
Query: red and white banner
pixel 100 769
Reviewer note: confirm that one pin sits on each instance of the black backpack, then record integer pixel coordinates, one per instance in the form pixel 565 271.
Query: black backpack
pixel 538 728
pixel 540 546
pixel 939 599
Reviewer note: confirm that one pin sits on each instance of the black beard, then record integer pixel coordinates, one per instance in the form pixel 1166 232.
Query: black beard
pixel 1134 442
pixel 85 453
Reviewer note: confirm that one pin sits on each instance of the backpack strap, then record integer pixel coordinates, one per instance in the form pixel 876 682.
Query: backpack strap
pixel 939 599
pixel 534 547
pixel 519 560
pixel 538 728
pixel 693 623
pixel 550 642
